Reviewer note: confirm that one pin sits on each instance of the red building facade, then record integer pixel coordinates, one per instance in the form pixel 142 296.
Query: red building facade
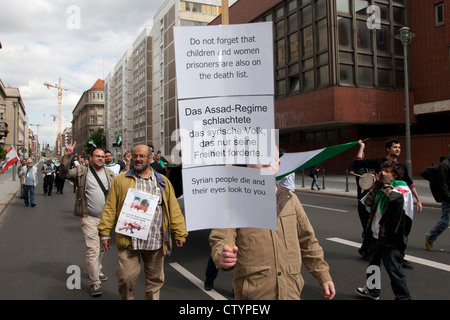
pixel 339 74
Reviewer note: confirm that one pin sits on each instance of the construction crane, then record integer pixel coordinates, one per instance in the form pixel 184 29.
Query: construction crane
pixel 60 91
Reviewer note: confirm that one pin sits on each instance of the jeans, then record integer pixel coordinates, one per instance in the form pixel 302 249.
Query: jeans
pixel 392 261
pixel 28 194
pixel 442 224
pixel 315 182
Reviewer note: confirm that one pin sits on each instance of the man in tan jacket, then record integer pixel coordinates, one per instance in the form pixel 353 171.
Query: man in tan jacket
pixel 266 263
pixel 167 220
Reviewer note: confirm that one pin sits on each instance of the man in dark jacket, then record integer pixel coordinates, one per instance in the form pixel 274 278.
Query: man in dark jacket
pixel 391 213
pixel 443 181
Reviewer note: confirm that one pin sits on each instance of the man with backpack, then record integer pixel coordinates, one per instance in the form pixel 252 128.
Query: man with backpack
pixel 443 185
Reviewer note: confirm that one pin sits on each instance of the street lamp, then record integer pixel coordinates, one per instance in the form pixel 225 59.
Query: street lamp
pixel 15 105
pixel 405 36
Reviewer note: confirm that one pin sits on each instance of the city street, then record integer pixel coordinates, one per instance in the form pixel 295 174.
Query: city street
pixel 41 246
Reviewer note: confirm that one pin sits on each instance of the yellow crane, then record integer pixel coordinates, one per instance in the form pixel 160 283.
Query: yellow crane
pixel 60 91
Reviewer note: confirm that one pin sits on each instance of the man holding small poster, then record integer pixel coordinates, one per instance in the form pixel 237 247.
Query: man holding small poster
pixel 145 188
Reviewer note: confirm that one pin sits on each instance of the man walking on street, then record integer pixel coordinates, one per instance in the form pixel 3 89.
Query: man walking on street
pixel 29 175
pixel 49 176
pixel 443 181
pixel 266 264
pixel 167 219
pixel 93 183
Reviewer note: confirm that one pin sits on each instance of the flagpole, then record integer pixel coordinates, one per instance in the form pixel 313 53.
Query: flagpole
pixel 226 21
pixel 15 105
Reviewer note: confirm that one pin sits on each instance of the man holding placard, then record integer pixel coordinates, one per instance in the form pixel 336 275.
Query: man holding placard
pixel 269 261
pixel 166 219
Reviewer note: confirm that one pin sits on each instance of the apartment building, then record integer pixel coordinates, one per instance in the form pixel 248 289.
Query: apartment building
pixel 142 88
pixel 88 115
pixel 118 102
pixel 165 108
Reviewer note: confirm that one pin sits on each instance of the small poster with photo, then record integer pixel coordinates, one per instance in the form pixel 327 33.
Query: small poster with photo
pixel 137 214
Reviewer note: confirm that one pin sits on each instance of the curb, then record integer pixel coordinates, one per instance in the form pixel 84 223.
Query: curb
pixel 7 201
pixel 337 194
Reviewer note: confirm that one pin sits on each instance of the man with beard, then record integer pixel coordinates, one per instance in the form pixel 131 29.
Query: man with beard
pixel 93 183
pixel 167 220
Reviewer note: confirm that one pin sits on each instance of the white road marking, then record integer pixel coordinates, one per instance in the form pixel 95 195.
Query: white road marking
pixel 425 262
pixel 324 208
pixel 213 293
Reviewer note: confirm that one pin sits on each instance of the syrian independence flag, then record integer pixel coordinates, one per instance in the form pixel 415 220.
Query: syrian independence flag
pixel 408 201
pixel 118 142
pixel 92 143
pixel 293 162
pixel 11 158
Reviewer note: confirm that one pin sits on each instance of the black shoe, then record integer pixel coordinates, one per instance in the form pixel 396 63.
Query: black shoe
pixel 209 285
pixel 407 265
pixel 33 205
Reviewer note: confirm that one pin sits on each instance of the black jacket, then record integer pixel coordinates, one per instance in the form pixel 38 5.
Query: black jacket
pixel 443 179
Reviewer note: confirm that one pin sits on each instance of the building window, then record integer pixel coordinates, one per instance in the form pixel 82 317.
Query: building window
pixel 368 55
pixel 301 45
pixel 439 14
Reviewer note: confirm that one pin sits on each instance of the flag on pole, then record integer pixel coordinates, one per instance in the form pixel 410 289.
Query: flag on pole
pixel 293 162
pixel 11 158
pixel 92 143
pixel 118 142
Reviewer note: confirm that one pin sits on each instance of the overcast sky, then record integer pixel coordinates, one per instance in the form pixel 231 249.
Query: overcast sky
pixel 79 41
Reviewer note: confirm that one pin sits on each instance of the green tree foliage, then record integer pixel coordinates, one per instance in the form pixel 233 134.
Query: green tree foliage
pixel 99 139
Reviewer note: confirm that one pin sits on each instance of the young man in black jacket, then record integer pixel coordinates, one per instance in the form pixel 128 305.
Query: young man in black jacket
pixel 443 180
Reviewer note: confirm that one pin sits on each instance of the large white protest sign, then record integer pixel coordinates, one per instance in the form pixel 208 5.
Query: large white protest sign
pixel 225 91
pixel 227 130
pixel 229 197
pixel 224 60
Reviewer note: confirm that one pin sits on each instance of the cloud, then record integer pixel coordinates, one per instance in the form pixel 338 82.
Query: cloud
pixel 79 41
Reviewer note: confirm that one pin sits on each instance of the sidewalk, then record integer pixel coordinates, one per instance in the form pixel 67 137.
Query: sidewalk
pixel 337 185
pixel 8 188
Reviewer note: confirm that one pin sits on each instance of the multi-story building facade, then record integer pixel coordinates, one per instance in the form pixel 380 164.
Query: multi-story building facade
pixel 14 120
pixel 142 112
pixel 118 102
pixel 339 73
pixel 165 109
pixel 88 115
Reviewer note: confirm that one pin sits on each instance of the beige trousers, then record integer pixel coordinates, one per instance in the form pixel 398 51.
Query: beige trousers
pixel 129 268
pixel 94 249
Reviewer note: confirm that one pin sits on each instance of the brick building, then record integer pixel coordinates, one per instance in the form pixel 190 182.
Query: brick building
pixel 339 74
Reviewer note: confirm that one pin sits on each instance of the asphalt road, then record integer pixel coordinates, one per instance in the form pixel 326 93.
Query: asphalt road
pixel 41 246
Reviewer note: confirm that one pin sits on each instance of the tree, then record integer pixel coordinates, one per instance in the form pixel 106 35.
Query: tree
pixel 99 138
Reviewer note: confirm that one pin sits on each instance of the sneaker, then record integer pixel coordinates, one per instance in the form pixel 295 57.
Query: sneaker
pixel 102 276
pixel 364 292
pixel 33 204
pixel 428 244
pixel 96 290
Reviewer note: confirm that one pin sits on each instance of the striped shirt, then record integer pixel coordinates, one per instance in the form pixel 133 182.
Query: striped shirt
pixel 155 236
